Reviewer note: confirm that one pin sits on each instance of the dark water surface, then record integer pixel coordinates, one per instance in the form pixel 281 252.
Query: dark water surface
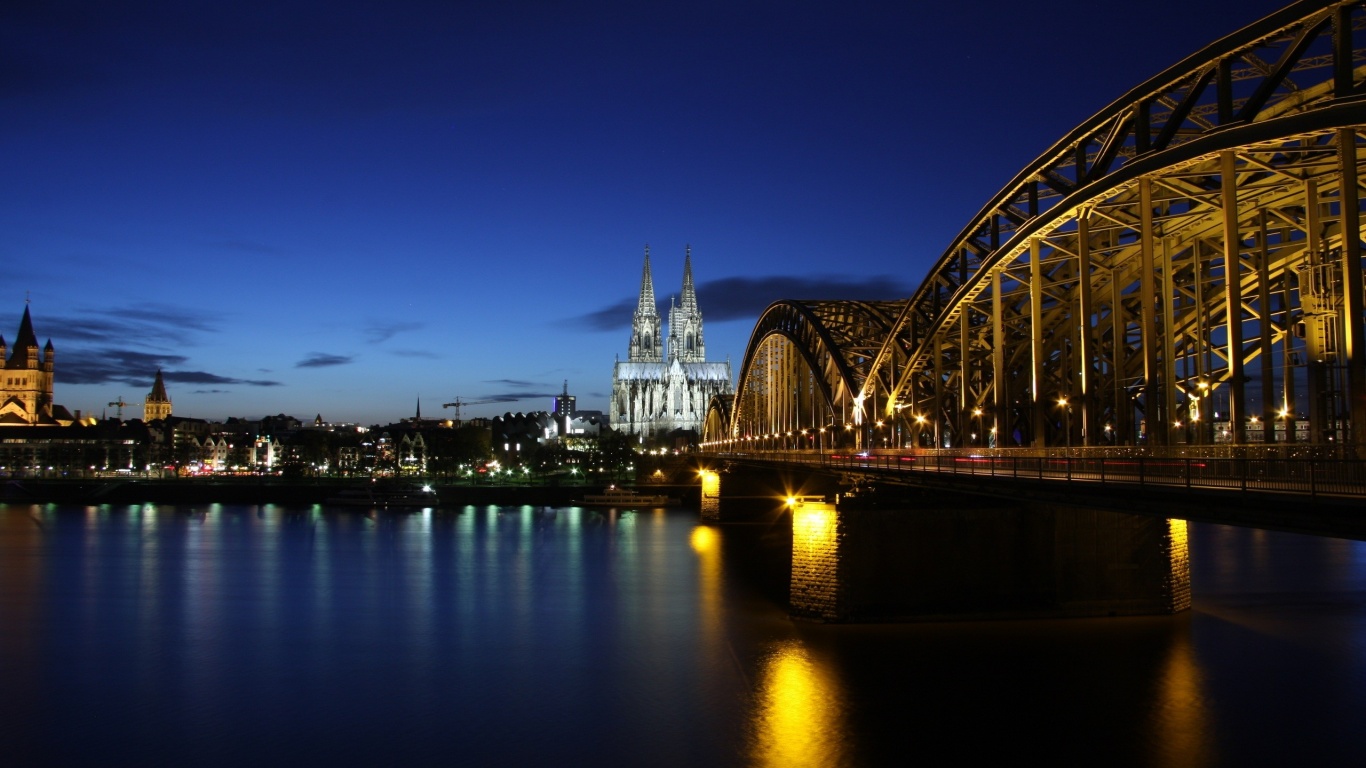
pixel 219 635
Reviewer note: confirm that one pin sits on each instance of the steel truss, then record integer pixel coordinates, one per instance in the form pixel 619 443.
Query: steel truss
pixel 805 366
pixel 1179 255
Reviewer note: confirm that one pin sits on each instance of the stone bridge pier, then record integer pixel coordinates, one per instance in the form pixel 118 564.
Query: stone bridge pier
pixel 895 554
pixel 963 559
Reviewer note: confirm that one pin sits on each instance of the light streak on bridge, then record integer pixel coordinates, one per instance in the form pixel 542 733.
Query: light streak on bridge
pixel 1184 268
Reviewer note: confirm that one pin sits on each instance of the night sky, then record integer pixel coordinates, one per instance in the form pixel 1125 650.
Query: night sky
pixel 338 208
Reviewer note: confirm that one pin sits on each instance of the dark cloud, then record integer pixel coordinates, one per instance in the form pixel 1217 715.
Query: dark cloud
pixel 514 396
pixel 322 360
pixel 511 382
pixel 377 332
pixel 126 366
pixel 745 298
pixel 203 377
pixel 414 353
pixel 94 346
pixel 142 324
pixel 110 365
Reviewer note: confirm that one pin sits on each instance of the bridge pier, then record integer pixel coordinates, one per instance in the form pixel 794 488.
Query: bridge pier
pixel 975 561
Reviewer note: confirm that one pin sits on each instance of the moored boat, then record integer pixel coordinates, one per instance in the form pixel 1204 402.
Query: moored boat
pixel 612 496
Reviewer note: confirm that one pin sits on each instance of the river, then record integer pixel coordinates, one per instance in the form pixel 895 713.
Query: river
pixel 244 635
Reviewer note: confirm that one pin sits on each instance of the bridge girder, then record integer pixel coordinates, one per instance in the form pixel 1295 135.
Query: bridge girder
pixel 1193 248
pixel 817 354
pixel 1094 288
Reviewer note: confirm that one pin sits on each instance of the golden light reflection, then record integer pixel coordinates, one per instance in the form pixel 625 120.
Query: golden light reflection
pixel 799 711
pixel 703 540
pixel 1180 713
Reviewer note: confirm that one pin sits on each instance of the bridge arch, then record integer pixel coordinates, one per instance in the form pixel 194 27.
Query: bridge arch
pixel 803 371
pixel 1184 267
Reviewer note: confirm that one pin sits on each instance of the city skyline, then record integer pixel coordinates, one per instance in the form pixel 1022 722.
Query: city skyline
pixel 290 211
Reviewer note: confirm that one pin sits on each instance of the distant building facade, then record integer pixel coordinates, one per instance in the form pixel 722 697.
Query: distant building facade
pixel 666 382
pixel 156 406
pixel 26 389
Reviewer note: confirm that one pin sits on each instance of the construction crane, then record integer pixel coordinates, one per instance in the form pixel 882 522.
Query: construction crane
pixel 120 404
pixel 458 404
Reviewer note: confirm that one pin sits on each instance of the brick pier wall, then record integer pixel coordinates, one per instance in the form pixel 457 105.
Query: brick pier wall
pixel 984 562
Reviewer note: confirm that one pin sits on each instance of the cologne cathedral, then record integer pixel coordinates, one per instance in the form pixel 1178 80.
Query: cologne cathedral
pixel 666 382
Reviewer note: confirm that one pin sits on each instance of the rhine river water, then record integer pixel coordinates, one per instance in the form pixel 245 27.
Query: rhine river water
pixel 240 635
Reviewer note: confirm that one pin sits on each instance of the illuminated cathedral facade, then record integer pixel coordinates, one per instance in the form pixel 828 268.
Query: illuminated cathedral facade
pixel 666 382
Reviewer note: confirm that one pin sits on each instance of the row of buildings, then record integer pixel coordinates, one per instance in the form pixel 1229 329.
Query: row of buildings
pixel 660 394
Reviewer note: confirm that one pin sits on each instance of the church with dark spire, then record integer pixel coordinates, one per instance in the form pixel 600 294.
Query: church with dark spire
pixel 157 405
pixel 26 390
pixel 666 382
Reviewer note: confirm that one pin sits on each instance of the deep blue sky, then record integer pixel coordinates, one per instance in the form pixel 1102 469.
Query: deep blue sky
pixel 339 207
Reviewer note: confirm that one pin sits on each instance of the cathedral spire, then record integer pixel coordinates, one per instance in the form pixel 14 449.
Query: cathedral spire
pixel 646 342
pixel 689 301
pixel 646 304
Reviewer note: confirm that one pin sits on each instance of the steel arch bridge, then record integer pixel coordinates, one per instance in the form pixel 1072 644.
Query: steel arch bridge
pixel 1183 267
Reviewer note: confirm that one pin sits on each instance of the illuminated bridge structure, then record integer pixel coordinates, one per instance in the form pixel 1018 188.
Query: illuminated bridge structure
pixel 1181 275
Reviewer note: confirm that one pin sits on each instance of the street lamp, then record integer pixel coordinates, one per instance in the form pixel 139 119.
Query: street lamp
pixel 1067 420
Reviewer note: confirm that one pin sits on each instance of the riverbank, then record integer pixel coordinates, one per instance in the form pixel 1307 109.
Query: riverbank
pixel 285 492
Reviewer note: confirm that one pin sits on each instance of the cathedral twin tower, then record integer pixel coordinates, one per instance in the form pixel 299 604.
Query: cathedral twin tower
pixel 666 382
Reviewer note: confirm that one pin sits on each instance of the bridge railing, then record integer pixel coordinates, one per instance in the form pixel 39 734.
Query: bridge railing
pixel 1314 477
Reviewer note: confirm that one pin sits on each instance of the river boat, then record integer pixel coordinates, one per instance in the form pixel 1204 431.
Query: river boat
pixel 385 497
pixel 612 496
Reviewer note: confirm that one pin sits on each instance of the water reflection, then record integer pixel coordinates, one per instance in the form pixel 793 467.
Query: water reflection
pixel 798 711
pixel 532 636
pixel 1180 718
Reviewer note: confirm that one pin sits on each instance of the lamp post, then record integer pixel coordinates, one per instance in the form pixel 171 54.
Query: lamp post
pixel 1066 420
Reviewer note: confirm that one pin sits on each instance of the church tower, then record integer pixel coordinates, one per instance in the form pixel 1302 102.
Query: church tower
pixel 26 391
pixel 646 343
pixel 156 405
pixel 685 320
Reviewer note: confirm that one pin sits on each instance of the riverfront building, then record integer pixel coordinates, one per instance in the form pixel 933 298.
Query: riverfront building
pixel 666 381
pixel 157 405
pixel 26 388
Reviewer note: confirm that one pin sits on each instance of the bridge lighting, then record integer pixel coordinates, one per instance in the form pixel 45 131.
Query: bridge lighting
pixel 920 418
pixel 976 411
pixel 1062 401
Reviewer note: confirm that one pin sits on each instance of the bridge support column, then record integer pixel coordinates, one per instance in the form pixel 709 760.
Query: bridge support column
pixel 711 496
pixel 966 561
